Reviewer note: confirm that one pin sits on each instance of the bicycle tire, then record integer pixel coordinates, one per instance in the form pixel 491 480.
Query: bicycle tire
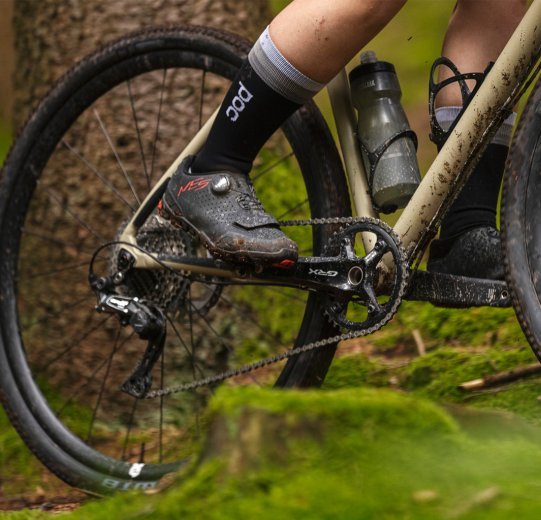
pixel 520 216
pixel 28 200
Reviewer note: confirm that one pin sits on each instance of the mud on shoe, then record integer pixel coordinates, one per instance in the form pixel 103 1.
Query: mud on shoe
pixel 475 254
pixel 224 211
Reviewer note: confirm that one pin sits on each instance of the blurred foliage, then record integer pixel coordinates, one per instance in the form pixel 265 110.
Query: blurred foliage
pixel 20 469
pixel 438 325
pixel 347 454
pixel 5 142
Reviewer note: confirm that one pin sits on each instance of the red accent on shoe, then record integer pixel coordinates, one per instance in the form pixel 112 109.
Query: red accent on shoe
pixel 193 185
pixel 285 264
pixel 160 205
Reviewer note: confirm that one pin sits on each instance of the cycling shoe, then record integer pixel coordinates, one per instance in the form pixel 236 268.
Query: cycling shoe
pixel 224 211
pixel 476 254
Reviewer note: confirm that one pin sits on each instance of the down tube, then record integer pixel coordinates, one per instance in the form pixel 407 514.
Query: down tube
pixel 476 124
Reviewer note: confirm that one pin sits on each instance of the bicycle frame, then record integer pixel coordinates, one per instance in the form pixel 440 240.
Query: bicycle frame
pixel 493 101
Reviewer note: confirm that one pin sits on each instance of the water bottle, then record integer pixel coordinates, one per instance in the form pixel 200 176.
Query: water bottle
pixel 387 142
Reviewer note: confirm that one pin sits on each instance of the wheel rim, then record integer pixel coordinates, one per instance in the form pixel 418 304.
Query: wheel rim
pixel 54 302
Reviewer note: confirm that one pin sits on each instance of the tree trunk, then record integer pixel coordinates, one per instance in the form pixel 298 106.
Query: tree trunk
pixel 50 35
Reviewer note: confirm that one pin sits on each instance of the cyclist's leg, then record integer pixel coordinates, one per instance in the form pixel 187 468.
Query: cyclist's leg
pixel 469 242
pixel 302 49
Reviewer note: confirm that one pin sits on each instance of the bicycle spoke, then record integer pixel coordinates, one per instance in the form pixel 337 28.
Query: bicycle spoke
pixel 285 294
pixel 88 380
pixel 201 99
pixel 160 434
pixel 75 216
pixel 249 314
pixel 49 315
pixel 157 132
pixel 44 274
pixel 57 241
pixel 293 209
pixel 219 336
pixel 139 140
pixel 128 430
pixel 272 166
pixel 100 176
pixel 102 387
pixel 119 162
pixel 183 343
pixel 198 409
pixel 75 343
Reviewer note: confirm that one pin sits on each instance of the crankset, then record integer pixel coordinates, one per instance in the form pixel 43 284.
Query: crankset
pixel 370 300
pixel 360 294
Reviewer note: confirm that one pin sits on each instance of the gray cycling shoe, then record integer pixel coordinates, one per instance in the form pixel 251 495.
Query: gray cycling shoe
pixel 476 254
pixel 224 211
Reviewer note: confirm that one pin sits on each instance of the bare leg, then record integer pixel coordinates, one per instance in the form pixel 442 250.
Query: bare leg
pixel 305 46
pixel 477 33
pixel 319 37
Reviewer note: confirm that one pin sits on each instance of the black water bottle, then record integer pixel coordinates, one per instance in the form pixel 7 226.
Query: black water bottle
pixel 387 142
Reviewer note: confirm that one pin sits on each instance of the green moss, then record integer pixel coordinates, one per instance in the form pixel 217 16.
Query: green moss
pixel 24 515
pixel 355 371
pixel 375 454
pixel 476 326
pixel 20 469
pixel 5 141
pixel 439 373
pixel 375 406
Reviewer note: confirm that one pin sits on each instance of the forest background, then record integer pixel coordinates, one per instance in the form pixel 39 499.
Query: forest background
pixel 459 345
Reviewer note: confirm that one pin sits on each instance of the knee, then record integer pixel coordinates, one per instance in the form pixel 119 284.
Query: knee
pixel 388 8
pixel 378 10
pixel 491 13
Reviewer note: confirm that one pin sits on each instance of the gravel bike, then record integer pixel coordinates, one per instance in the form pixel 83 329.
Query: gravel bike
pixel 116 327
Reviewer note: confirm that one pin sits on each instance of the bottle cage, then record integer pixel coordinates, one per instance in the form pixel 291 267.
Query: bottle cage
pixel 375 156
pixel 437 135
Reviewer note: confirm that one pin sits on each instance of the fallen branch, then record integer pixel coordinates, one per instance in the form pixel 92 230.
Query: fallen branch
pixel 419 343
pixel 502 377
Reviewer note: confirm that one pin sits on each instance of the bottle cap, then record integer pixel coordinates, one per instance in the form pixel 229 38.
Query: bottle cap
pixel 369 65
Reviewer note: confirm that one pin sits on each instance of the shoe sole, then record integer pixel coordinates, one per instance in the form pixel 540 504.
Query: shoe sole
pixel 239 256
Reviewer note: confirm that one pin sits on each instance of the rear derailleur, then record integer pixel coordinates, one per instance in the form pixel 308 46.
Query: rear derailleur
pixel 146 319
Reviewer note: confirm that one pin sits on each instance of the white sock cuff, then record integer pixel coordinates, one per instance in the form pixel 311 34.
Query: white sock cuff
pixel 446 116
pixel 273 68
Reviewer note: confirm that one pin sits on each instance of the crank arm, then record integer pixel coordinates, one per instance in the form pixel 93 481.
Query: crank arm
pixel 337 274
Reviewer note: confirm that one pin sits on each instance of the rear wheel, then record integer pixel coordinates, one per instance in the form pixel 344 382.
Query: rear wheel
pixel 80 168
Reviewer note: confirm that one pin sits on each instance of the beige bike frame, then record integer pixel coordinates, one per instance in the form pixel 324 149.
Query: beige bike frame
pixel 448 171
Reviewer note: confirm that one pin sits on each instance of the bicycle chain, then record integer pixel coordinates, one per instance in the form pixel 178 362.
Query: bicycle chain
pixel 307 347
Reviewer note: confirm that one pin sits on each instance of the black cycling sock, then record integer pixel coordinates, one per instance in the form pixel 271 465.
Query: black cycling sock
pixel 250 113
pixel 477 202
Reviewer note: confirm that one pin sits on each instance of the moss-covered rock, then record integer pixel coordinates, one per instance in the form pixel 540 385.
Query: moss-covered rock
pixel 344 454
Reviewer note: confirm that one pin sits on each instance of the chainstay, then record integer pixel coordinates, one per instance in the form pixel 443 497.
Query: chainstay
pixel 307 347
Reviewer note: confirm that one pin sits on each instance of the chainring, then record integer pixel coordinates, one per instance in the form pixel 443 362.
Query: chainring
pixel 373 301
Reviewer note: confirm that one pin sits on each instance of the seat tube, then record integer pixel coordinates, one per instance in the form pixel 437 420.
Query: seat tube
pixel 346 123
